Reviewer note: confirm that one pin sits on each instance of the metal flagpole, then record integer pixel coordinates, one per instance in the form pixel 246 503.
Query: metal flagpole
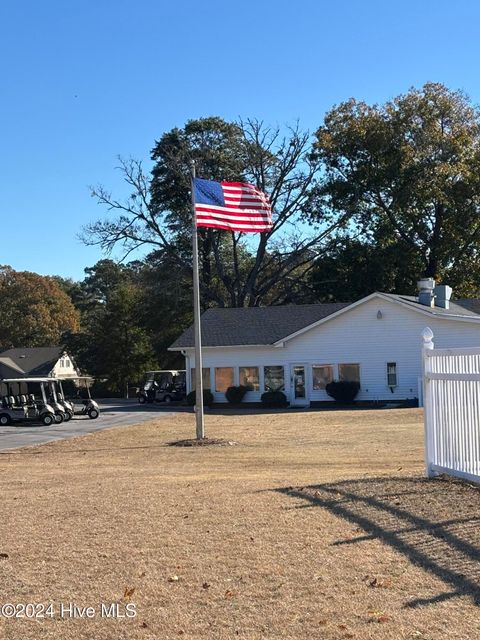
pixel 196 320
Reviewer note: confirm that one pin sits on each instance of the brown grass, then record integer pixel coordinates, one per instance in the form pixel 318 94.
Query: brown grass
pixel 317 525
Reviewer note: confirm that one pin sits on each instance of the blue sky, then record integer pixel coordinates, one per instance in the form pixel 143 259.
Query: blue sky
pixel 86 81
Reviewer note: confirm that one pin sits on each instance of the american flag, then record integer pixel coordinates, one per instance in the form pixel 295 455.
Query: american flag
pixel 234 206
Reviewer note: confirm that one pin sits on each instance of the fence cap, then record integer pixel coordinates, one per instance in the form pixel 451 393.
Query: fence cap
pixel 427 336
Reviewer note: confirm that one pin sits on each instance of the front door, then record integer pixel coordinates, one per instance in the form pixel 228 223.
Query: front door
pixel 298 375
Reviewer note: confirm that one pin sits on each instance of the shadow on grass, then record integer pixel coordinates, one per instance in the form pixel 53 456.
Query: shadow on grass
pixel 434 523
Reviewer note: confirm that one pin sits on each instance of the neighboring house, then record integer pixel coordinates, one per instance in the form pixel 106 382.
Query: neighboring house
pixel 8 369
pixel 299 349
pixel 38 362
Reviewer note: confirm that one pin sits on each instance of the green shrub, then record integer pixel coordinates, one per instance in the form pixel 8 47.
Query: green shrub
pixel 235 395
pixel 274 399
pixel 207 398
pixel 343 391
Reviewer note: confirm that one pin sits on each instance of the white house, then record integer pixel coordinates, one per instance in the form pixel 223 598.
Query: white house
pixel 298 349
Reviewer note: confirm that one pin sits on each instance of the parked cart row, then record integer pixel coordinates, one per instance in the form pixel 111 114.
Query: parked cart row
pixel 42 400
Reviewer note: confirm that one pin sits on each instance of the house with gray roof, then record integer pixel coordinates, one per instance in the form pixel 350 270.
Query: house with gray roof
pixel 298 349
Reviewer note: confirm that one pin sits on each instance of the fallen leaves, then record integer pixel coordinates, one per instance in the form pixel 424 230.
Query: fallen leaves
pixel 378 616
pixel 378 582
pixel 128 593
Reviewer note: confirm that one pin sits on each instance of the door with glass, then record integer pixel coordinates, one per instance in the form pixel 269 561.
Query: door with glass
pixel 299 396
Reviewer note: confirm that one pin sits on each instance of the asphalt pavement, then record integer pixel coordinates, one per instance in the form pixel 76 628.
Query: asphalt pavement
pixel 113 413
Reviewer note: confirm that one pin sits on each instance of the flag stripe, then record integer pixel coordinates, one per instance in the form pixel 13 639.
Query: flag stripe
pixel 227 211
pixel 233 226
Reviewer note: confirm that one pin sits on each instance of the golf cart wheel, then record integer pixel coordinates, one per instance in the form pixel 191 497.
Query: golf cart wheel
pixel 93 413
pixel 142 399
pixel 48 419
pixel 167 399
pixel 68 415
pixel 5 419
pixel 58 418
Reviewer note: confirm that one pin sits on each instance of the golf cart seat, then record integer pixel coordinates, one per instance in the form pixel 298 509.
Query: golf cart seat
pixel 22 400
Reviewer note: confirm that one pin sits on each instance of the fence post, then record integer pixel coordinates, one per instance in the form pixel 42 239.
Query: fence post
pixel 429 426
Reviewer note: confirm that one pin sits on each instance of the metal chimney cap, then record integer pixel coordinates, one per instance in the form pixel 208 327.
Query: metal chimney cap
pixel 426 283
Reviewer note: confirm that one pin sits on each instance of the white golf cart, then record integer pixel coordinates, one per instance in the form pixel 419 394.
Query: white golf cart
pixel 26 400
pixel 88 406
pixel 58 401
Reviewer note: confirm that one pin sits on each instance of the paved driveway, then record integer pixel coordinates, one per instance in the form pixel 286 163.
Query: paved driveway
pixel 113 414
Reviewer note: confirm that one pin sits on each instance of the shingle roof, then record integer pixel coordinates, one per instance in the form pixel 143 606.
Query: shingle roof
pixel 465 307
pixel 255 325
pixel 472 304
pixel 34 361
pixel 8 369
pixel 250 326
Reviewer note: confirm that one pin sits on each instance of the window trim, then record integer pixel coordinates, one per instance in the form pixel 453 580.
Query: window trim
pixel 392 386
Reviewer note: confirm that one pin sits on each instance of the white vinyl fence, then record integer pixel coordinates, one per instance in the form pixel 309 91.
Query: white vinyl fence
pixel 451 398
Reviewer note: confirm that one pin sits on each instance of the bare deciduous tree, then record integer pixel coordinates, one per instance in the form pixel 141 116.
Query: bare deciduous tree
pixel 238 269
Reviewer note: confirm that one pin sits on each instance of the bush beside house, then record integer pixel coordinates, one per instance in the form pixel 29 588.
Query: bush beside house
pixel 343 391
pixel 274 400
pixel 235 395
pixel 191 398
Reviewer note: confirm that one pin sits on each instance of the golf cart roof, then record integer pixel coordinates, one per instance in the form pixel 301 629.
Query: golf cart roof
pixel 27 380
pixel 174 371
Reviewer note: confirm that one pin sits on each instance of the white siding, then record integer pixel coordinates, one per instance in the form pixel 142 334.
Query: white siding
pixel 64 371
pixel 356 336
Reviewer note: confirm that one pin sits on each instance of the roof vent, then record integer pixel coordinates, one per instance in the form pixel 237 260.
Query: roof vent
pixel 443 293
pixel 425 291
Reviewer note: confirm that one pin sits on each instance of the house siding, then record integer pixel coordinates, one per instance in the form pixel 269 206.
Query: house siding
pixel 66 371
pixel 356 336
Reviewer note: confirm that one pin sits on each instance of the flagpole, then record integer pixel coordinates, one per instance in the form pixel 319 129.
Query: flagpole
pixel 200 426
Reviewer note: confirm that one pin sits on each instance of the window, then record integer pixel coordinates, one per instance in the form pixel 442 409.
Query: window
pixel 322 374
pixel 274 378
pixel 62 363
pixel 249 378
pixel 223 378
pixel 391 374
pixel 67 362
pixel 349 372
pixel 205 378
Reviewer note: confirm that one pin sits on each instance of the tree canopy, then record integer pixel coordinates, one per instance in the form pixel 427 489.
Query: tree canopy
pixel 409 170
pixel 35 311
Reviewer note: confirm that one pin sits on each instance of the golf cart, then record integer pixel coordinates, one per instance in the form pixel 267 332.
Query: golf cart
pixel 163 386
pixel 88 407
pixel 58 401
pixel 26 400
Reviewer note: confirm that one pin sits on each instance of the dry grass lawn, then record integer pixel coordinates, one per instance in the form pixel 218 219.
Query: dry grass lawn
pixel 317 525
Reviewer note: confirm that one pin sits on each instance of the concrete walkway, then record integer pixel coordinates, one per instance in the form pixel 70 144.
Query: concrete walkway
pixel 114 413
